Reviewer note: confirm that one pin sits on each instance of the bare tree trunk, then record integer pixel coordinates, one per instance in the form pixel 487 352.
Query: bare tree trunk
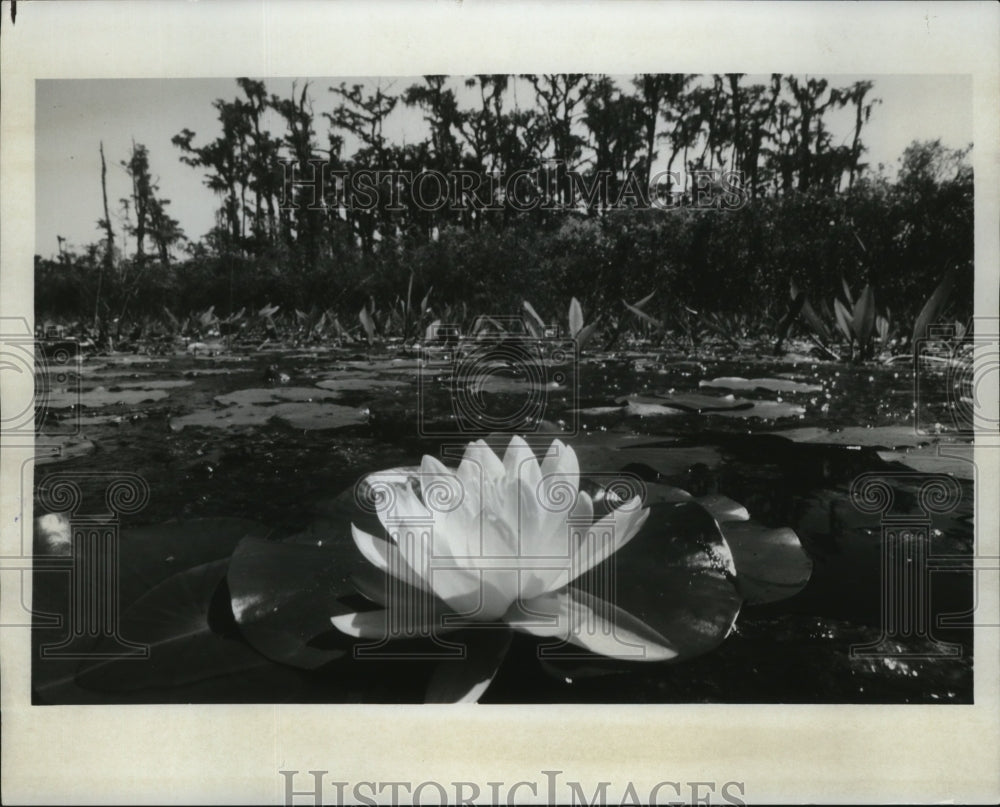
pixel 109 256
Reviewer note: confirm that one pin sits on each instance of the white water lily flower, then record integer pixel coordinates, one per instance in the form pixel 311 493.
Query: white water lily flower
pixel 499 541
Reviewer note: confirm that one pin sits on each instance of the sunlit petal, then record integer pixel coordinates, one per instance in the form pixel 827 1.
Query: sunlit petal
pixel 607 536
pixel 519 462
pixel 591 623
pixel 385 556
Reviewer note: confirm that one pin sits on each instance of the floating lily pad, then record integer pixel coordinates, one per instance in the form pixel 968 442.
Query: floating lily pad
pixel 771 564
pixel 671 406
pixel 696 402
pixel 129 359
pixel 641 409
pixel 210 371
pixel 494 383
pixel 604 410
pixel 170 383
pixel 363 384
pixel 174 620
pixel 768 410
pixel 284 593
pixel 246 397
pixel 885 437
pixel 770 384
pixel 941 458
pixel 306 416
pixel 676 576
pixel 99 396
pixel 61 449
pixel 610 452
pixel 147 557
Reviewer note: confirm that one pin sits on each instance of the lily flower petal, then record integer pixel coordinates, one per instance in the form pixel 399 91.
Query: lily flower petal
pixel 607 536
pixel 520 462
pixel 591 623
pixel 386 556
pixel 375 625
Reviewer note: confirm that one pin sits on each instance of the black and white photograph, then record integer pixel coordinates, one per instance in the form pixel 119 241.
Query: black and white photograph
pixel 661 388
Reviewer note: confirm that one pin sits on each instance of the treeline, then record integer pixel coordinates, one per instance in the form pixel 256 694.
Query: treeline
pixel 816 210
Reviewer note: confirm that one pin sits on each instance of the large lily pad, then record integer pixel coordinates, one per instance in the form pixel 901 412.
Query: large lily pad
pixel 175 619
pixel 360 384
pixel 99 396
pixel 157 383
pixel 677 576
pixel 611 452
pixel 770 384
pixel 885 437
pixel 305 416
pixel 771 564
pixel 61 448
pixel 284 593
pixel 271 395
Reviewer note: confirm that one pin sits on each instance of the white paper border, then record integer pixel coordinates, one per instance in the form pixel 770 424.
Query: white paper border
pixel 232 754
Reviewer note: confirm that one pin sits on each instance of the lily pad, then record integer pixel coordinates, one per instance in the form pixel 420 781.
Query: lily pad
pixel 62 448
pixel 360 384
pixel 249 397
pixel 676 576
pixel 771 564
pixel 770 384
pixel 166 383
pixel 768 410
pixel 942 458
pixel 695 402
pixel 494 383
pixel 610 452
pixel 885 437
pixel 284 593
pixel 99 396
pixel 646 407
pixel 305 416
pixel 175 619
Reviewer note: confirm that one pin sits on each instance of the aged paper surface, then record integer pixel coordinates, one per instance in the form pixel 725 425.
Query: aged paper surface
pixel 215 754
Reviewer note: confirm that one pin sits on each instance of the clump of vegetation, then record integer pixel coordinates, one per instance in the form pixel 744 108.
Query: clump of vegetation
pixel 865 250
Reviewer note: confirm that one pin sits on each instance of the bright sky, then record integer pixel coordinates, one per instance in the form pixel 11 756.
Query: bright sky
pixel 73 116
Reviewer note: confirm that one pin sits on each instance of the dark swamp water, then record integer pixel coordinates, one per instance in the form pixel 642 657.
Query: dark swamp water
pixel 274 436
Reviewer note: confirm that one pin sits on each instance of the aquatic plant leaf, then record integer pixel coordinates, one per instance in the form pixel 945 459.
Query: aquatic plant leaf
pixel 246 397
pixel 534 319
pixel 149 555
pixel 61 448
pixel 175 619
pixel 843 320
pixel 100 396
pixel 361 384
pixel 298 415
pixel 885 437
pixel 586 334
pixel 863 319
pixel 575 318
pixel 722 508
pixel 368 324
pixel 643 315
pixel 941 458
pixel 847 291
pixel 284 592
pixel 676 576
pixel 771 384
pixel 771 564
pixel 934 306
